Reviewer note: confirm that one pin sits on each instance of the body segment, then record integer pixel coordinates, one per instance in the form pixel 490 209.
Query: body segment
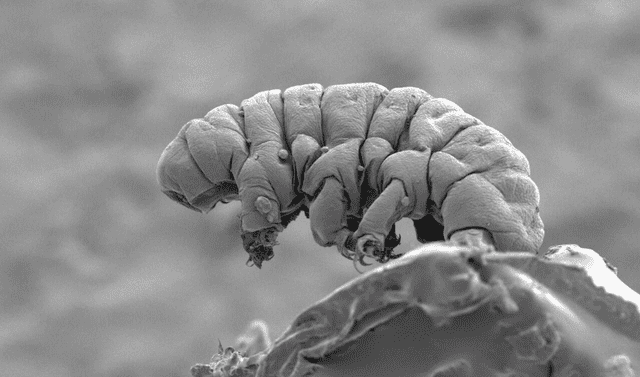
pixel 265 183
pixel 333 180
pixel 303 120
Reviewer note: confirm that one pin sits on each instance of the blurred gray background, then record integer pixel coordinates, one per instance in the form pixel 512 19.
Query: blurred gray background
pixel 102 275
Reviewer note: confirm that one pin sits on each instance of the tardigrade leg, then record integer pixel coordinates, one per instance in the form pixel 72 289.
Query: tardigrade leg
pixel 333 180
pixel 265 183
pixel 327 214
pixel 404 178
pixel 378 221
pixel 391 177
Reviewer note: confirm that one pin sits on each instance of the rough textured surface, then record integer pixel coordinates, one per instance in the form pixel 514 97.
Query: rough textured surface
pixel 447 310
pixel 356 158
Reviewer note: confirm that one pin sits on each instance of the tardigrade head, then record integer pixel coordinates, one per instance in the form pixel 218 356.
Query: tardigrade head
pixel 198 167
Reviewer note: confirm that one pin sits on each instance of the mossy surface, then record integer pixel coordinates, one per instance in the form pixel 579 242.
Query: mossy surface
pixel 473 311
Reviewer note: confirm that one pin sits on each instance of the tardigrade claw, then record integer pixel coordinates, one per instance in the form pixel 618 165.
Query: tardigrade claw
pixel 371 247
pixel 348 249
pixel 259 245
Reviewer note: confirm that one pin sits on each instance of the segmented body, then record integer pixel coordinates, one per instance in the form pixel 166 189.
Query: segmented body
pixel 356 158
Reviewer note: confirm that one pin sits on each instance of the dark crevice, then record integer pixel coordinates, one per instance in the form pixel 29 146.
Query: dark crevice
pixel 430 185
pixel 215 193
pixel 322 142
pixel 283 127
pixel 374 108
pixel 180 199
pixel 428 229
pixel 286 219
pixel 476 262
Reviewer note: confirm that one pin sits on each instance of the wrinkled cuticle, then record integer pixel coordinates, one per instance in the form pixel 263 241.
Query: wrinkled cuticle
pixel 448 189
pixel 445 115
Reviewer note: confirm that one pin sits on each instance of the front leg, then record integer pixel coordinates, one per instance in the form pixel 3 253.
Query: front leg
pixel 260 215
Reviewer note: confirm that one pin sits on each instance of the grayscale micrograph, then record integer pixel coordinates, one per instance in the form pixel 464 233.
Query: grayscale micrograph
pixel 218 188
